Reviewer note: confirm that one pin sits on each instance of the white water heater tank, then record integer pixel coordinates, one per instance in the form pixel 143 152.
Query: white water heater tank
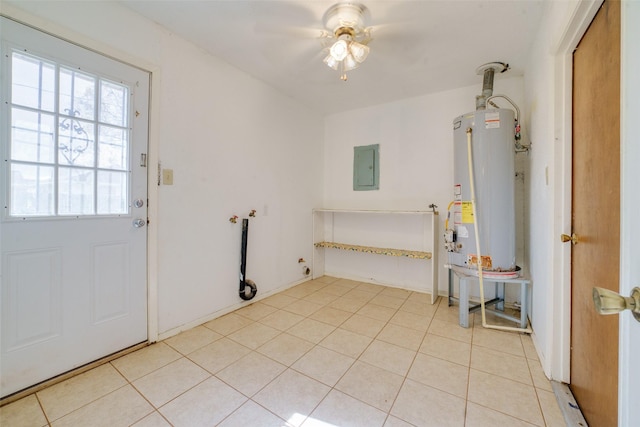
pixel 493 156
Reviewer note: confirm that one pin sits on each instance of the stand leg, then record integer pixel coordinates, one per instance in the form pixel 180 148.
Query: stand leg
pixel 525 304
pixel 500 294
pixel 450 287
pixel 463 303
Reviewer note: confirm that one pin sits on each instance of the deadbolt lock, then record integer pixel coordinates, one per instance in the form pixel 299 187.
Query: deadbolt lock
pixel 566 238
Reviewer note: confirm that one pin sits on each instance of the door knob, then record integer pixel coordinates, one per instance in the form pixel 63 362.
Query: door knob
pixel 566 238
pixel 139 222
pixel 609 302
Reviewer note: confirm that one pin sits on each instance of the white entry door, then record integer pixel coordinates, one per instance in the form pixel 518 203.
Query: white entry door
pixel 73 228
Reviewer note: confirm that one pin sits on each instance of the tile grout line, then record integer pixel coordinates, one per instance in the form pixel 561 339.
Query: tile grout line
pixel 301 373
pixel 535 390
pixel 155 409
pixel 286 367
pixel 530 374
pixel 44 413
pixel 332 388
pixel 356 360
pixel 404 380
pixel 466 399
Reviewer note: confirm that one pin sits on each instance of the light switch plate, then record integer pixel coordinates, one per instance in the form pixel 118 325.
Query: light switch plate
pixel 167 176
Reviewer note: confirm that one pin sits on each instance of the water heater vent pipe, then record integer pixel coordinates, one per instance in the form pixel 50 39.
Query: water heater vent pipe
pixel 488 70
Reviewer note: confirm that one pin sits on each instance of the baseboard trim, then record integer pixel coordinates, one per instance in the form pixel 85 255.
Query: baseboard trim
pixel 568 405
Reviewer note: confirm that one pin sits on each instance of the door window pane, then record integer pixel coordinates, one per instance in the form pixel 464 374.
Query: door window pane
pixel 32 136
pixel 76 142
pixel 77 94
pixel 112 192
pixel 75 191
pixel 114 103
pixel 33 82
pixel 113 151
pixel 32 190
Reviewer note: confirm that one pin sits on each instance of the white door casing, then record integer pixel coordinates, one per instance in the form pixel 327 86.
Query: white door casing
pixel 629 350
pixel 74 267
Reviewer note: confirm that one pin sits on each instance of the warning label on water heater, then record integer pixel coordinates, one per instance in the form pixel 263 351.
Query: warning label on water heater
pixel 467 212
pixel 457 213
pixel 463 232
pixel 492 120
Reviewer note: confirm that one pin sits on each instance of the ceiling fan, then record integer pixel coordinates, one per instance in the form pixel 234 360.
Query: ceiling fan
pixel 298 35
pixel 346 36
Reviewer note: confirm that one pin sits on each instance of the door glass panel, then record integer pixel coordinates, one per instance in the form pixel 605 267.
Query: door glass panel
pixel 114 105
pixel 76 142
pixel 112 192
pixel 77 94
pixel 70 149
pixel 32 136
pixel 113 148
pixel 33 82
pixel 32 190
pixel 75 192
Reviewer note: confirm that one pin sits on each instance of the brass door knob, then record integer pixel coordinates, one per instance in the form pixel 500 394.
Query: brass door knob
pixel 566 238
pixel 610 302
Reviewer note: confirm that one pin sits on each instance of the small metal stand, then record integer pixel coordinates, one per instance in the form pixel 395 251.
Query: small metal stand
pixel 465 306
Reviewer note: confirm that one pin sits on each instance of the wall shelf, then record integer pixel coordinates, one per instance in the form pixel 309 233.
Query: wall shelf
pixel 394 233
pixel 374 250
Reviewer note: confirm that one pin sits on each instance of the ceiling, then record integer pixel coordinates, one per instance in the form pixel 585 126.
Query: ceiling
pixel 418 46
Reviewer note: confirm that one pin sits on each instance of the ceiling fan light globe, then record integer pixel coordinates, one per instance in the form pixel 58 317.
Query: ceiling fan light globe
pixel 331 62
pixel 350 63
pixel 359 51
pixel 339 50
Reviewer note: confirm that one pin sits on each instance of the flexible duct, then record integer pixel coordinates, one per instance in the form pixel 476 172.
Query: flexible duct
pixel 248 288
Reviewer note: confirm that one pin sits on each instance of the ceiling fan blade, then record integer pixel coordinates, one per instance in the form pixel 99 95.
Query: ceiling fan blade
pixel 402 46
pixel 288 13
pixel 268 29
pixel 291 52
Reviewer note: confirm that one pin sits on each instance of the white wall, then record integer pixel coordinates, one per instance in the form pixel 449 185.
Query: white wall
pixel 548 101
pixel 234 144
pixel 416 154
pixel 539 96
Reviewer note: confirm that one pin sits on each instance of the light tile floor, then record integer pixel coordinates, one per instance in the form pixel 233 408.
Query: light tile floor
pixel 329 352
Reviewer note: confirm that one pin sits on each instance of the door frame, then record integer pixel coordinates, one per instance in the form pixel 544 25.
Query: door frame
pixel 154 71
pixel 559 362
pixel 629 349
pixel 582 16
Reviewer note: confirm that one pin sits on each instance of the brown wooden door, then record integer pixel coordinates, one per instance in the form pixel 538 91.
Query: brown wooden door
pixel 596 215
